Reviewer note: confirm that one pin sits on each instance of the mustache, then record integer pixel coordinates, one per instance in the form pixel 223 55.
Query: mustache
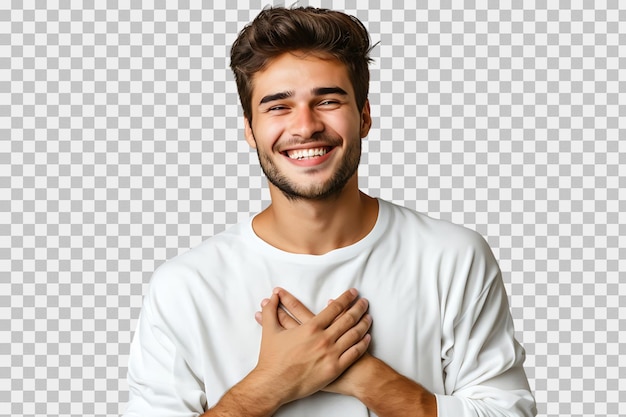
pixel 320 139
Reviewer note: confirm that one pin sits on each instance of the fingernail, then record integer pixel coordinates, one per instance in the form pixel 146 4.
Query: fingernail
pixel 276 290
pixel 264 302
pixel 353 291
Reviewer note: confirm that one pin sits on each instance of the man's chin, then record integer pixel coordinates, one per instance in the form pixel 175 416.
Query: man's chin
pixel 312 193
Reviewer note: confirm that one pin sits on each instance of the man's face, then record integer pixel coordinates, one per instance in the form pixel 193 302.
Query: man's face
pixel 306 126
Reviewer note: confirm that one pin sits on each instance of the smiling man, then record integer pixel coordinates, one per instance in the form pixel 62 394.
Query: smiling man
pixel 367 308
pixel 307 127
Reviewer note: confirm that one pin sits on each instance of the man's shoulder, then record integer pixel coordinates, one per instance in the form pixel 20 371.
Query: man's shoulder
pixel 464 262
pixel 200 262
pixel 437 233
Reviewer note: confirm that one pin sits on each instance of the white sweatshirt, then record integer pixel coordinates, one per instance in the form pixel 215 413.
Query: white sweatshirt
pixel 440 317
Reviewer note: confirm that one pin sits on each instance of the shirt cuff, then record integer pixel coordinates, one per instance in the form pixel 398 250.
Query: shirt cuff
pixel 450 406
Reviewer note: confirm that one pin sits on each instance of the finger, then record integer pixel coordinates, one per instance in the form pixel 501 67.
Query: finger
pixel 258 316
pixel 269 314
pixel 348 319
pixel 354 335
pixel 336 308
pixel 355 351
pixel 336 318
pixel 293 306
pixel 286 319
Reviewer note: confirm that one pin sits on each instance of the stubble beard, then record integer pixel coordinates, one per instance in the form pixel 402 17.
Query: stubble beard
pixel 320 191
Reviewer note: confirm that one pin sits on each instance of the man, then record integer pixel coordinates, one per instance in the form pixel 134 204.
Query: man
pixel 367 308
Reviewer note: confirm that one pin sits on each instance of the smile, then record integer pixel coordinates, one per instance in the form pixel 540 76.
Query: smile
pixel 301 154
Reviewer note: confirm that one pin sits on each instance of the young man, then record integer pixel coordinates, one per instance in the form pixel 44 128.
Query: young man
pixel 367 308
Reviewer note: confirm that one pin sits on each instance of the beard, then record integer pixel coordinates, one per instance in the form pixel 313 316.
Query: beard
pixel 317 191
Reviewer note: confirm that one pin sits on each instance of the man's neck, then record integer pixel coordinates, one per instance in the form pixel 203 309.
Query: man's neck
pixel 316 227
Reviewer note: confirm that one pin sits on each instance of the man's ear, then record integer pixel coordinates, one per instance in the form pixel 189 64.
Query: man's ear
pixel 248 133
pixel 366 119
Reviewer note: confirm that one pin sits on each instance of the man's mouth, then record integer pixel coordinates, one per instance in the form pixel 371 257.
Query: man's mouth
pixel 301 154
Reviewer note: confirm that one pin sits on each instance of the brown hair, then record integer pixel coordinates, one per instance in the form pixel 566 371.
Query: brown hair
pixel 278 30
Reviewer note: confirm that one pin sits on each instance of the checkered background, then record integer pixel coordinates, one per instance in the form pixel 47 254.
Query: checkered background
pixel 121 145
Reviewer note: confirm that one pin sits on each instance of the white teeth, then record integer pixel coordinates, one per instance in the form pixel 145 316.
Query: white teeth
pixel 307 153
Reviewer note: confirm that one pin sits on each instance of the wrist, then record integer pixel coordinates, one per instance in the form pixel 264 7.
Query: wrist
pixel 253 396
pixel 364 376
pixel 381 382
pixel 368 377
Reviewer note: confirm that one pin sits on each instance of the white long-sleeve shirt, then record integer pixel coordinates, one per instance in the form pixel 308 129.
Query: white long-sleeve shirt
pixel 435 292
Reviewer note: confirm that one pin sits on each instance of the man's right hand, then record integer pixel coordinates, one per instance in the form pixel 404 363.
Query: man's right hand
pixel 298 361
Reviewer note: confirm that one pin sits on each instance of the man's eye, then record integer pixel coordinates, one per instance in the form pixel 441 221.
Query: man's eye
pixel 275 108
pixel 329 103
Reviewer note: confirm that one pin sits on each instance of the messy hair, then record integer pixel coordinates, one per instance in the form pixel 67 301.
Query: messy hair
pixel 277 30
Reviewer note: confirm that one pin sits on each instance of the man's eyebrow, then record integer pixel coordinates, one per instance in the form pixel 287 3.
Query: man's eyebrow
pixel 322 91
pixel 278 96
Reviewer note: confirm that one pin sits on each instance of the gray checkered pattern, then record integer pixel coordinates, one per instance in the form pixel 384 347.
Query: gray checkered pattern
pixel 121 146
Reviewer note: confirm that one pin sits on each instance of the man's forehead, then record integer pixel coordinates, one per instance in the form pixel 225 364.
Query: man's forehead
pixel 275 77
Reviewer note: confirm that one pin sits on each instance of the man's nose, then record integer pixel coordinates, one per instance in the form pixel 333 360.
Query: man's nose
pixel 305 122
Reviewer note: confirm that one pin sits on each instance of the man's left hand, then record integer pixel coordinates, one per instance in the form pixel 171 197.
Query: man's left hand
pixel 293 313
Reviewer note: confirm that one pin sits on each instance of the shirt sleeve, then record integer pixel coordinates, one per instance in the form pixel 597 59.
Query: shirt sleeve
pixel 482 361
pixel 161 382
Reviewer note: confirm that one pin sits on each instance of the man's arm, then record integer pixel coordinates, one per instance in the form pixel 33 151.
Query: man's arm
pixel 251 397
pixel 497 388
pixel 386 392
pixel 298 361
pixel 380 388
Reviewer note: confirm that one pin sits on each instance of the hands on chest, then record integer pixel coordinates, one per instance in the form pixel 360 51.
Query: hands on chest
pixel 307 352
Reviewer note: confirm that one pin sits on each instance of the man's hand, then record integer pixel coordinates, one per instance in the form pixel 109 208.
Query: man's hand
pixel 301 359
pixel 369 379
pixel 291 314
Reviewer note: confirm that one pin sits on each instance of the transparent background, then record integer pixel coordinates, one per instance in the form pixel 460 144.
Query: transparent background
pixel 121 145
